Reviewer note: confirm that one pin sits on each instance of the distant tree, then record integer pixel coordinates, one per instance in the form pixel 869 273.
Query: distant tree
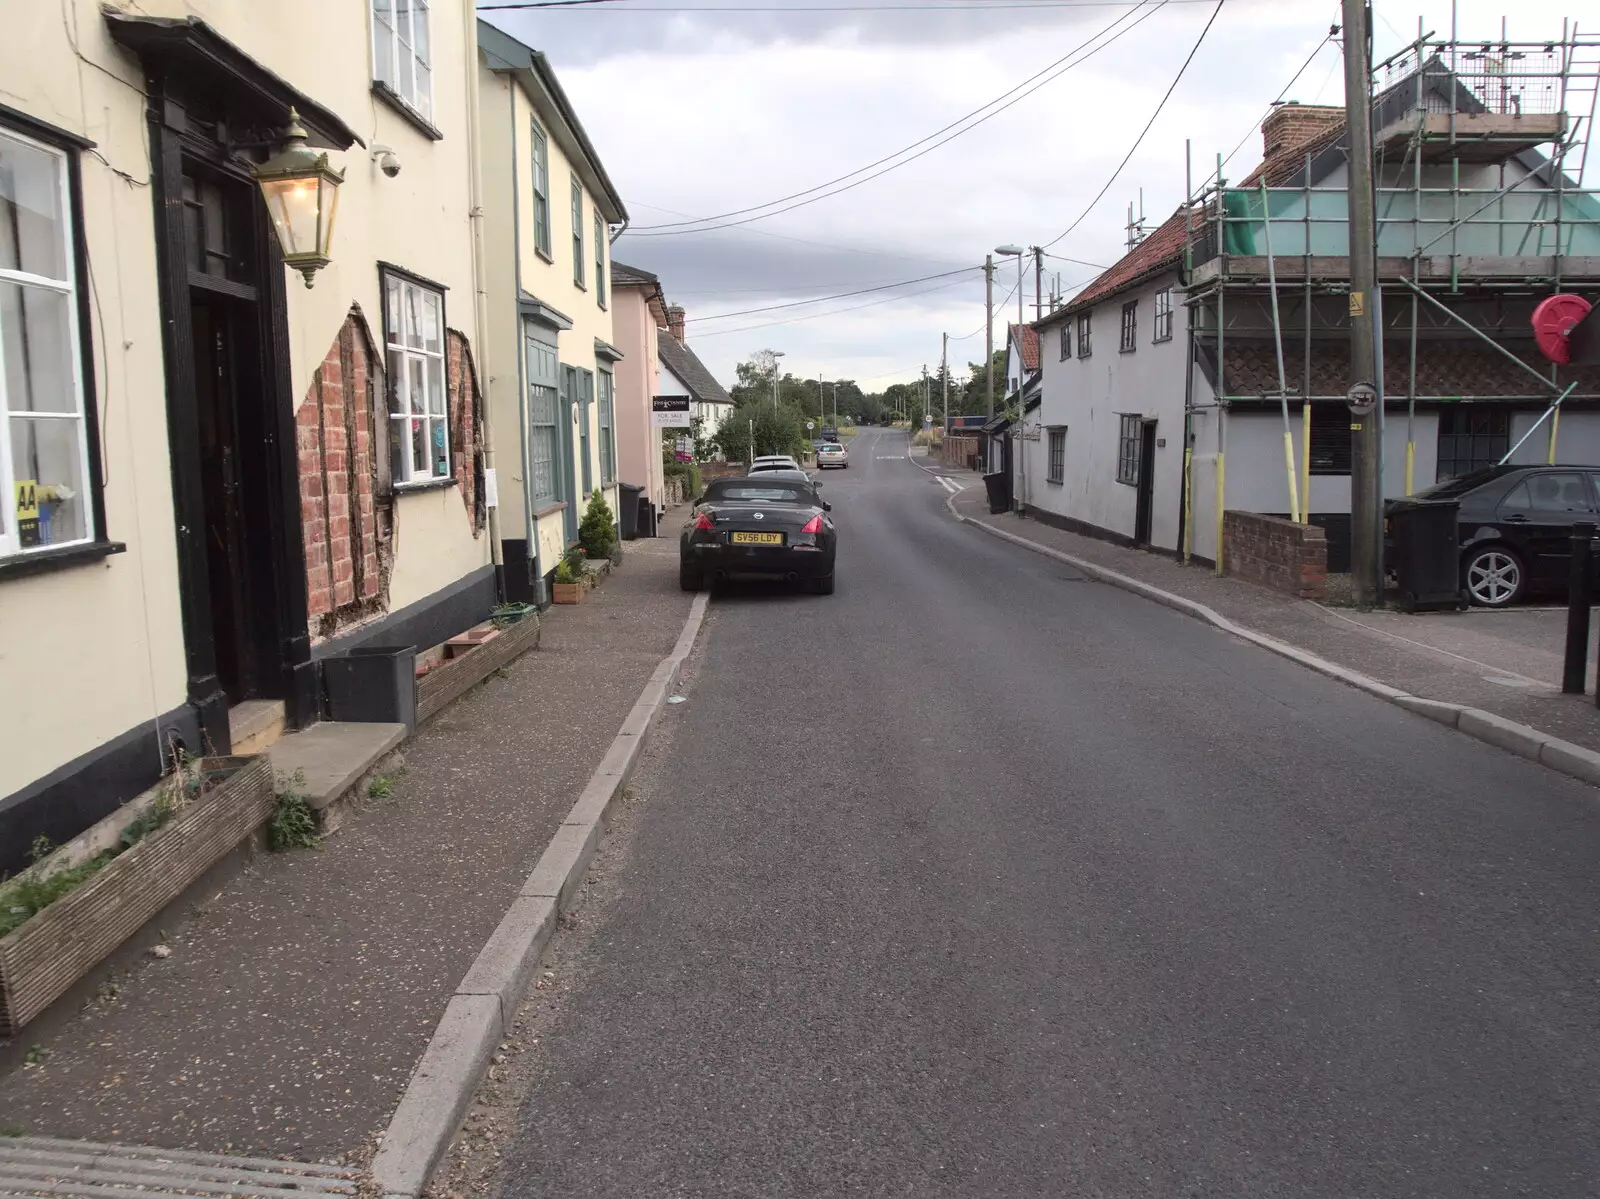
pixel 780 430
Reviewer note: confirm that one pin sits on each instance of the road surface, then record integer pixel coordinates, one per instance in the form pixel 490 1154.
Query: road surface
pixel 978 878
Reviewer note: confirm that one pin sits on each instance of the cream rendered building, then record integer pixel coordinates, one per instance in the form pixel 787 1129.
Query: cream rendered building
pixel 551 379
pixel 212 476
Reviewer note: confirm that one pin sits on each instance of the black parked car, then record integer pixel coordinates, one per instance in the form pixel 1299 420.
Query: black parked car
pixel 1515 526
pixel 764 526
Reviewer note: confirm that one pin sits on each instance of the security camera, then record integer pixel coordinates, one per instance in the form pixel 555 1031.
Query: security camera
pixel 388 162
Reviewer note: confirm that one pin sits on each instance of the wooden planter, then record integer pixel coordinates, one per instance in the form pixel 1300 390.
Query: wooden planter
pixel 568 593
pixel 466 668
pixel 60 944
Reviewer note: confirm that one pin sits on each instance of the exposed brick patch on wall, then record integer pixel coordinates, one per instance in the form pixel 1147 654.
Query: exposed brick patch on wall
pixel 961 451
pixel 345 508
pixel 466 426
pixel 1276 553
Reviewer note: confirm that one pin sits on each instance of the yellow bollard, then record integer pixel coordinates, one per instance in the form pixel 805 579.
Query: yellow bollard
pixel 1305 462
pixel 1411 459
pixel 1219 514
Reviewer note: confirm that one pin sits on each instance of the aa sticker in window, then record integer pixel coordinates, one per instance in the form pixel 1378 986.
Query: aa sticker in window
pixel 28 512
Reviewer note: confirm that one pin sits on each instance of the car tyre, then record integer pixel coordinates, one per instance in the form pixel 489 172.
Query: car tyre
pixel 1494 576
pixel 689 580
pixel 822 586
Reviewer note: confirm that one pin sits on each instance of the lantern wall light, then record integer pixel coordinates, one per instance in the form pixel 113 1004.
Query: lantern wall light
pixel 302 195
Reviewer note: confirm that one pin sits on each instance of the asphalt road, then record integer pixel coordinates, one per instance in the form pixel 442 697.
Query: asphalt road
pixel 978 878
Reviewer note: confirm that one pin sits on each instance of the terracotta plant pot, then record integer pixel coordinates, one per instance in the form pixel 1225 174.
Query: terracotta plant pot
pixel 569 593
pixel 61 943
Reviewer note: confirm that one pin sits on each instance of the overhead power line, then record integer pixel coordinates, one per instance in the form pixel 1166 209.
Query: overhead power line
pixel 1193 50
pixel 835 311
pixel 843 295
pixel 965 124
pixel 946 6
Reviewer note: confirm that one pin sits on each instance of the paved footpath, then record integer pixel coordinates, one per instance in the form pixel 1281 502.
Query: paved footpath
pixel 1508 663
pixel 296 1002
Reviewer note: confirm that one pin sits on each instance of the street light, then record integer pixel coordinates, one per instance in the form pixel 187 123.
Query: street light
pixel 776 354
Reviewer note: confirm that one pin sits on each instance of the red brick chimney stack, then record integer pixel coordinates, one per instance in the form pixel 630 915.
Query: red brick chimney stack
pixel 675 321
pixel 1293 125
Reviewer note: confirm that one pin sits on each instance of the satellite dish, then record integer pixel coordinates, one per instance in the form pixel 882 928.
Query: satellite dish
pixel 1553 322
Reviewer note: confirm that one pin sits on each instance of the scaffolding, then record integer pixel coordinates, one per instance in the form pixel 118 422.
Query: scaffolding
pixel 1481 153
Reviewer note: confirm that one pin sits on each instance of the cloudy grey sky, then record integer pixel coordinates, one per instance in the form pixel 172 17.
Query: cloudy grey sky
pixel 698 113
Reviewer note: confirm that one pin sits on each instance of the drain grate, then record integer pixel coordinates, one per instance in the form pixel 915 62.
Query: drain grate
pixel 45 1166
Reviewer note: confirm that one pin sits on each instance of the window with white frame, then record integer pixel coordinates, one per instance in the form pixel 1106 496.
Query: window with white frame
pixel 608 436
pixel 419 420
pixel 1066 340
pixel 544 436
pixel 1163 324
pixel 1084 348
pixel 600 258
pixel 577 231
pixel 45 475
pixel 1058 455
pixel 402 57
pixel 1130 327
pixel 541 190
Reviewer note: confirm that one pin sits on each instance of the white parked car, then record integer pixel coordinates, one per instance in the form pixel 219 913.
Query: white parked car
pixel 772 462
pixel 831 453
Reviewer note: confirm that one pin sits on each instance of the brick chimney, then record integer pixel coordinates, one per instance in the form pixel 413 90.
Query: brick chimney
pixel 675 321
pixel 1292 125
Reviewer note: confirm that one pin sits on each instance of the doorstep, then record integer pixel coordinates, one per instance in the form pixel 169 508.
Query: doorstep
pixel 256 725
pixel 333 758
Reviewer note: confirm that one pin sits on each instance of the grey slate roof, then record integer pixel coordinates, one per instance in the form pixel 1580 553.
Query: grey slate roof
pixel 683 362
pixel 622 273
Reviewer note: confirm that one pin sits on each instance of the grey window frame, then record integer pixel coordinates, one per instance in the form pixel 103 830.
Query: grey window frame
pixel 1130 435
pixel 1056 459
pixel 1471 448
pixel 585 397
pixel 1130 327
pixel 579 267
pixel 1085 334
pixel 544 420
pixel 1066 340
pixel 599 257
pixel 1163 317
pixel 606 401
pixel 541 191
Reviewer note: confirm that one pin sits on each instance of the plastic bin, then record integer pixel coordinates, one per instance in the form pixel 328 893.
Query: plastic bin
pixel 998 485
pixel 1424 546
pixel 628 510
pixel 646 518
pixel 373 684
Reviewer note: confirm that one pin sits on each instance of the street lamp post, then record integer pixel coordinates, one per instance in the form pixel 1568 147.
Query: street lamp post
pixel 776 354
pixel 1017 252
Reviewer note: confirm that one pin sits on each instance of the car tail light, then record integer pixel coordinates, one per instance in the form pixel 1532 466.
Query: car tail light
pixel 814 525
pixel 702 521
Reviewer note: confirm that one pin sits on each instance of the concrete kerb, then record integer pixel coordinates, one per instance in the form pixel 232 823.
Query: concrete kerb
pixel 457 1056
pixel 1563 756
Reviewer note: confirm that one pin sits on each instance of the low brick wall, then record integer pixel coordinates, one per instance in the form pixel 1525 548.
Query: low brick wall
pixel 1276 553
pixel 720 470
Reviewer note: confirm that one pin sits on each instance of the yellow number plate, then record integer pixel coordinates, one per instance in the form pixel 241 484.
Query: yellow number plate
pixel 756 538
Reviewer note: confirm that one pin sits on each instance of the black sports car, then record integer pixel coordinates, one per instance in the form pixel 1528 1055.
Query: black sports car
pixel 767 526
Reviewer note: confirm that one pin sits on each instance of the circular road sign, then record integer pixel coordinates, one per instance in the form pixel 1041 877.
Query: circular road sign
pixel 1362 398
pixel 810 424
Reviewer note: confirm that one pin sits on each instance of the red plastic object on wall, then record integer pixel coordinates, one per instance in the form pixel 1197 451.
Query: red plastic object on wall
pixel 1553 320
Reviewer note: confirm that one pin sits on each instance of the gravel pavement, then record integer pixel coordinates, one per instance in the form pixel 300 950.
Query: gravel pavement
pixel 288 1017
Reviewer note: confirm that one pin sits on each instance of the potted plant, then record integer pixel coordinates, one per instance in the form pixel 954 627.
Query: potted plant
pixel 597 533
pixel 570 584
pixel 65 913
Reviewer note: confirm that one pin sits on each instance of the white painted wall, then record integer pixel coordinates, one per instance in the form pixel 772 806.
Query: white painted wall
pixel 1088 396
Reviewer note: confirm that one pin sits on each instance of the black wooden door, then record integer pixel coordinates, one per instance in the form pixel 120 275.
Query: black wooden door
pixel 1147 483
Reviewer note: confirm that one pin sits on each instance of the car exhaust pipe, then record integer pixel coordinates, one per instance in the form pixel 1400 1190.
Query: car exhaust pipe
pixel 793 577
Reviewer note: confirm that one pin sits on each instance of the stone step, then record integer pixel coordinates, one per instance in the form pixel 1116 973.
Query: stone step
pixel 333 760
pixel 256 725
pixel 49 1166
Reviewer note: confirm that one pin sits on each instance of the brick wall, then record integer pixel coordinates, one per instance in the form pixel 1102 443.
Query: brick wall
pixel 1276 553
pixel 343 508
pixel 466 426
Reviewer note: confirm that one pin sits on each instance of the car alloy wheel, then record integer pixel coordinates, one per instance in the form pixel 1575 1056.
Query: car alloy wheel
pixel 1494 578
